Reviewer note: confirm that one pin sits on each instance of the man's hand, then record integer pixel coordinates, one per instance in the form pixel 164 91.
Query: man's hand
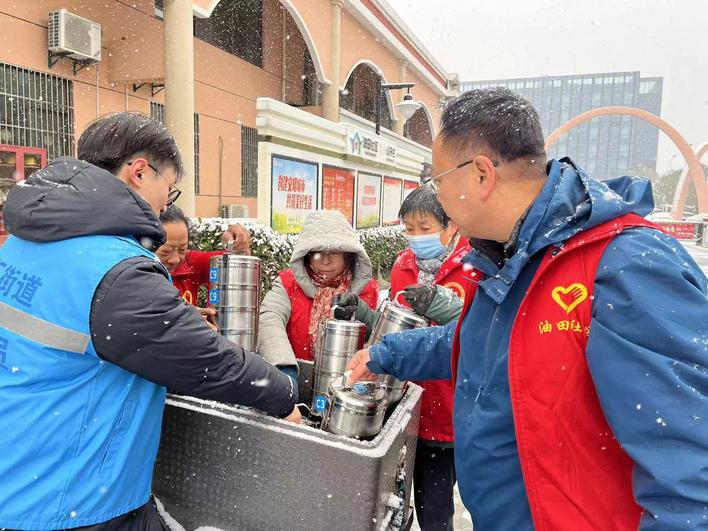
pixel 295 417
pixel 209 315
pixel 240 237
pixel 344 306
pixel 358 368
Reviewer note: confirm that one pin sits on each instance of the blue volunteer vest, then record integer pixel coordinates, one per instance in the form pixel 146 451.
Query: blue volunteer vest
pixel 78 436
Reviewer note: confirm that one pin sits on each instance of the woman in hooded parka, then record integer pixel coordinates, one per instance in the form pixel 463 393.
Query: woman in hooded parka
pixel 327 260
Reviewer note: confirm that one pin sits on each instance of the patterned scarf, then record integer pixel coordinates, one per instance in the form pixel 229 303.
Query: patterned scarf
pixel 428 268
pixel 322 301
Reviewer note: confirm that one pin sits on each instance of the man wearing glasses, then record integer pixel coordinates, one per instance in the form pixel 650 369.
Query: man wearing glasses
pixel 580 363
pixel 92 333
pixel 172 191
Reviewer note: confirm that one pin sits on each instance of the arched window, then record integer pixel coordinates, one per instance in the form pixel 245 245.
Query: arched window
pixel 360 93
pixel 418 128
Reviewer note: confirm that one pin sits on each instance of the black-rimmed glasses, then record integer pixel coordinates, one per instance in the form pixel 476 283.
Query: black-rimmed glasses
pixel 174 192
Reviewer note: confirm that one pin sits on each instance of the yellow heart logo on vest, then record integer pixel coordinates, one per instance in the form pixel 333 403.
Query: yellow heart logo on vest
pixel 576 292
pixel 456 288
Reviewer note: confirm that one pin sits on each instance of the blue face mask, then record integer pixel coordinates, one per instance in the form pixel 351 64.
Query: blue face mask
pixel 426 246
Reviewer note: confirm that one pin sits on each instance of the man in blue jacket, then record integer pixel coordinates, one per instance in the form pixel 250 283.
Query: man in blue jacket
pixel 581 383
pixel 92 333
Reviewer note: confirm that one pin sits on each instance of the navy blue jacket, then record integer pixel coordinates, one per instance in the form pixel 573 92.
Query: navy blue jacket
pixel 647 353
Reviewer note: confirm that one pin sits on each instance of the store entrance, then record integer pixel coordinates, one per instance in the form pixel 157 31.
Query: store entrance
pixel 16 164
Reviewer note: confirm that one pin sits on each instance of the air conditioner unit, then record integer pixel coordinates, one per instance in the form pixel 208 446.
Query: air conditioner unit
pixel 233 211
pixel 74 37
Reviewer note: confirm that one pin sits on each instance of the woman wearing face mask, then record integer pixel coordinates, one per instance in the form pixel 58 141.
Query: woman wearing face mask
pixel 430 278
pixel 327 260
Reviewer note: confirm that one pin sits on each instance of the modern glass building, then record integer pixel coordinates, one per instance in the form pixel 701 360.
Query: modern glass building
pixel 606 146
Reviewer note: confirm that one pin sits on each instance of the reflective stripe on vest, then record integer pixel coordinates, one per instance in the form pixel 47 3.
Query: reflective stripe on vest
pixel 43 332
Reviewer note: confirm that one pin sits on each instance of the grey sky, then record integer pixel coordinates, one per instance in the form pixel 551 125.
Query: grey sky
pixel 497 39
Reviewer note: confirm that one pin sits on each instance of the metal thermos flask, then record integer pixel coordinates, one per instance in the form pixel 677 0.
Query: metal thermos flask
pixel 337 342
pixel 357 411
pixel 395 318
pixel 235 293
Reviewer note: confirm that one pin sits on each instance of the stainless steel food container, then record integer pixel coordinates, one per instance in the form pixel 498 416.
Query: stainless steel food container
pixel 395 318
pixel 337 342
pixel 234 291
pixel 227 467
pixel 357 411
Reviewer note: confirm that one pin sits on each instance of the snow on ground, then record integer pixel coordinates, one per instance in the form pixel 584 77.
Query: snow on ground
pixel 462 521
pixel 173 524
pixel 699 254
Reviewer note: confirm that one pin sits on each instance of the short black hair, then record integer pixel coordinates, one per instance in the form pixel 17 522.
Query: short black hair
pixel 174 214
pixel 424 200
pixel 111 140
pixel 494 117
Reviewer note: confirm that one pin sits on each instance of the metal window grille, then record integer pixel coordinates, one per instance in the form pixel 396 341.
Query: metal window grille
pixel 36 110
pixel 249 161
pixel 157 111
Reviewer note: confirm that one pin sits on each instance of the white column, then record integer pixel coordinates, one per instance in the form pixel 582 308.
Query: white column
pixel 179 90
pixel 330 97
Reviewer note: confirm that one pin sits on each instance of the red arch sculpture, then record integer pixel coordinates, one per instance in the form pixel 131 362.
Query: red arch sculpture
pixel 694 169
pixel 682 186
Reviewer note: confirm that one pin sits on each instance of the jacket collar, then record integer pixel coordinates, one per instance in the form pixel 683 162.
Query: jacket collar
pixel 498 252
pixel 570 202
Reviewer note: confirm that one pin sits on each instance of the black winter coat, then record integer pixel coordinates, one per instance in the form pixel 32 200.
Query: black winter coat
pixel 153 332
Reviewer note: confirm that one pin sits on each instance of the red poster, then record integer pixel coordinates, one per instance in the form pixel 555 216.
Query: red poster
pixel 338 191
pixel 391 200
pixel 408 187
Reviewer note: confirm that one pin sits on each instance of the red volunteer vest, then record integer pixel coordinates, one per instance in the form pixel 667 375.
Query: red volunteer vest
pixel 301 307
pixel 437 402
pixel 577 477
pixel 192 273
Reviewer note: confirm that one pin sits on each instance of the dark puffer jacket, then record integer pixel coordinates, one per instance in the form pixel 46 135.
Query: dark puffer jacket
pixel 160 338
